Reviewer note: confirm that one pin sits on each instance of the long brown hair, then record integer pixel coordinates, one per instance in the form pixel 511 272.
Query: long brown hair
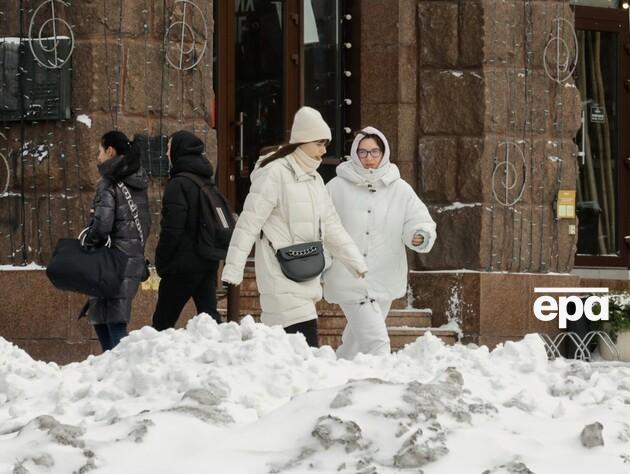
pixel 281 151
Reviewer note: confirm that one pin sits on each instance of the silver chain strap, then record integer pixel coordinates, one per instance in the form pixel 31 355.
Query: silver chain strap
pixel 302 253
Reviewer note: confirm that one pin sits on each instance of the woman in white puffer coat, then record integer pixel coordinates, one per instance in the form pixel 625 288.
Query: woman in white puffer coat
pixel 288 204
pixel 383 214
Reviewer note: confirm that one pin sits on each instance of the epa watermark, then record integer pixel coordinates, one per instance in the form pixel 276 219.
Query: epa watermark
pixel 571 307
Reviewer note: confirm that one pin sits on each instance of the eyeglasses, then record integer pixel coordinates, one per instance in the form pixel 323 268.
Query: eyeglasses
pixel 374 152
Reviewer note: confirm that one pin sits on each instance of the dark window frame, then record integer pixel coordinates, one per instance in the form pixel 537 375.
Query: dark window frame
pixel 614 20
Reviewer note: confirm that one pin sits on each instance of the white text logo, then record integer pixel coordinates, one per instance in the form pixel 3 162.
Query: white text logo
pixel 546 308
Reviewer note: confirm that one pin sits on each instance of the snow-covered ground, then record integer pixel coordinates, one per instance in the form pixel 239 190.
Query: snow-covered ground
pixel 250 399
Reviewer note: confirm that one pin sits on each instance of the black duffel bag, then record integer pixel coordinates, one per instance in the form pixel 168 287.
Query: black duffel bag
pixel 93 271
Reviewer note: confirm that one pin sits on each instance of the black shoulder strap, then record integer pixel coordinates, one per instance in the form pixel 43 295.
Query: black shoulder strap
pixel 133 208
pixel 217 207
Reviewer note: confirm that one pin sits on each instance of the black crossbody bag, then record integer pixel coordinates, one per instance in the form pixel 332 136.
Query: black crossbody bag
pixel 301 262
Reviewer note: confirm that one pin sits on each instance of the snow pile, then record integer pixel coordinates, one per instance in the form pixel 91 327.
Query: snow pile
pixel 30 266
pixel 251 399
pixel 85 120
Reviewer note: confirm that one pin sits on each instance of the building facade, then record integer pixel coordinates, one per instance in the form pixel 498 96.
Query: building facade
pixel 510 118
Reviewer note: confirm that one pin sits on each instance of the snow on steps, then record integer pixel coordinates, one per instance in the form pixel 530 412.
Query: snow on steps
pixel 404 325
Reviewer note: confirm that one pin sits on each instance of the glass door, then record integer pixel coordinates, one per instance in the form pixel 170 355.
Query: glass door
pixel 331 71
pixel 260 119
pixel 257 82
pixel 270 57
pixel 602 187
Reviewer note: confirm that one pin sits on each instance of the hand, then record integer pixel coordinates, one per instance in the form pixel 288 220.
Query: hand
pixel 231 275
pixel 418 239
pixel 361 274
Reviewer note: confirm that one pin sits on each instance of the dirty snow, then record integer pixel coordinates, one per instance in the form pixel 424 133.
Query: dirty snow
pixel 30 266
pixel 85 120
pixel 456 206
pixel 250 399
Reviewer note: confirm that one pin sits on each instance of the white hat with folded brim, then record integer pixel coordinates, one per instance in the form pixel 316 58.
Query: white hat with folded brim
pixel 309 126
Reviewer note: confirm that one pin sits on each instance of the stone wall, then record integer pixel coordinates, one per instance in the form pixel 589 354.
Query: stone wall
pixel 477 125
pixel 389 77
pixel 489 307
pixel 120 80
pixel 488 101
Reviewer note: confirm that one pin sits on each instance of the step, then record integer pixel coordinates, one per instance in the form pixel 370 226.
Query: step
pixel 251 299
pixel 323 305
pixel 412 333
pixel 421 318
pixel 248 288
pixel 396 318
pixel 399 337
pixel 247 302
pixel 337 320
pixel 242 314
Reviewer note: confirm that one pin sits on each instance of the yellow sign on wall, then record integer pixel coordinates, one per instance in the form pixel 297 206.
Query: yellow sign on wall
pixel 566 204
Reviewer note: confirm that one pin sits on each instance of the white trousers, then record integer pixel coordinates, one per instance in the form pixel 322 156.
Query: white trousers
pixel 365 329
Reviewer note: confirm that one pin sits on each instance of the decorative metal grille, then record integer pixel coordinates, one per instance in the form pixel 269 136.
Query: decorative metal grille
pixel 45 42
pixel 185 46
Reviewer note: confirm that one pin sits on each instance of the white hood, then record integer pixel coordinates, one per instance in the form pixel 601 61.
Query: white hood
pixel 360 136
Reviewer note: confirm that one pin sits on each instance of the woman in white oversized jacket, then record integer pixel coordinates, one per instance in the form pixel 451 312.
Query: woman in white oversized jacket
pixel 288 204
pixel 383 214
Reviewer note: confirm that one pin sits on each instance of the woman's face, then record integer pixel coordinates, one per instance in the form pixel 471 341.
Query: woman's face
pixel 315 150
pixel 369 153
pixel 105 154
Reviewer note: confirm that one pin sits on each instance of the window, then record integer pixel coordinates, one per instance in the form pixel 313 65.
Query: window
pixel 40 93
pixel 603 141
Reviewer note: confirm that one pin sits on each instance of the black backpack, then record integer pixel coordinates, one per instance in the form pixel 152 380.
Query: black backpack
pixel 216 221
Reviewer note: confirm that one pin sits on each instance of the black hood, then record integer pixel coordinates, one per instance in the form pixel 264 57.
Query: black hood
pixel 196 164
pixel 184 143
pixel 120 167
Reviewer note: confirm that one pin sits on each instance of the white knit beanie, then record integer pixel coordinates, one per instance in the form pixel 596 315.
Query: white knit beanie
pixel 309 126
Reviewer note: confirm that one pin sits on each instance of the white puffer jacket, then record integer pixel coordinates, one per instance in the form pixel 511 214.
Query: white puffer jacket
pixel 287 204
pixel 382 213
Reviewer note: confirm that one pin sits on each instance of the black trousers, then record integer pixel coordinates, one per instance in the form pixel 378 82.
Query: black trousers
pixel 176 290
pixel 308 329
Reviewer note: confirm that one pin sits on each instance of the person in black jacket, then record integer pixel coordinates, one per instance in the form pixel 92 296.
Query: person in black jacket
pixel 119 161
pixel 184 273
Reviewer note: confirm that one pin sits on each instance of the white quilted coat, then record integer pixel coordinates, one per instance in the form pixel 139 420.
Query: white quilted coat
pixel 382 215
pixel 287 204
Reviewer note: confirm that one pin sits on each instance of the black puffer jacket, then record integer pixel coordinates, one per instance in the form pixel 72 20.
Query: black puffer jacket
pixel 112 217
pixel 175 252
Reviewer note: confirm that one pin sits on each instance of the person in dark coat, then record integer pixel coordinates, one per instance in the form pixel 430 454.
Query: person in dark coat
pixel 118 161
pixel 184 273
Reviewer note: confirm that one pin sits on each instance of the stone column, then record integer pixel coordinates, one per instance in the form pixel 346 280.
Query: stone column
pixel 496 133
pixel 389 77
